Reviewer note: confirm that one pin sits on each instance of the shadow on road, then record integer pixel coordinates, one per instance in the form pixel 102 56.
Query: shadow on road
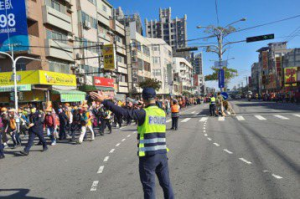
pixel 16 193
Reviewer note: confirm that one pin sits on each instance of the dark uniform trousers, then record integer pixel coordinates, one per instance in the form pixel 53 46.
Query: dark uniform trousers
pixel 148 167
pixel 1 145
pixel 104 123
pixel 175 123
pixel 32 135
pixel 212 109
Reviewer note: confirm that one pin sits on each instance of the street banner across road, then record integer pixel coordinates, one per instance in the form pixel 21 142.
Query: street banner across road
pixel 221 78
pixel 13 25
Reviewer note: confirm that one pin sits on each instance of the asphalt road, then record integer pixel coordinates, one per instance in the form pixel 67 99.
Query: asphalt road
pixel 253 155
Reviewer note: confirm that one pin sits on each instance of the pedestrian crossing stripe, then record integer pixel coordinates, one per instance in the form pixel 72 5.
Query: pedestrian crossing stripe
pixel 186 119
pixel 221 119
pixel 281 117
pixel 260 117
pixel 297 115
pixel 203 119
pixel 240 118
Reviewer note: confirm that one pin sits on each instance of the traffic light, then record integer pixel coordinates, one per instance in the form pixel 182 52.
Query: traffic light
pixel 186 49
pixel 12 96
pixel 260 38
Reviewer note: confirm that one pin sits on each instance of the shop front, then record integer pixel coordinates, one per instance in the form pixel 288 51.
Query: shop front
pixel 106 85
pixel 40 86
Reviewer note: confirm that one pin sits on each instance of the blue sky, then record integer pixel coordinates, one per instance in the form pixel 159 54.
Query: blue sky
pixel 202 12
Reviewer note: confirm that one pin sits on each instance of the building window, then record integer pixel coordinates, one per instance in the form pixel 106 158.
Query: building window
pixel 156 72
pixel 59 66
pixel 155 48
pixel 147 66
pixel 156 60
pixel 56 5
pixel 140 64
pixel 104 8
pixel 146 50
pixel 57 36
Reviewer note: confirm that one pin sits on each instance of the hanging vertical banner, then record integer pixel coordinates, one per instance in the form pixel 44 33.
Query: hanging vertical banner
pixel 109 55
pixel 221 78
pixel 13 26
pixel 265 59
pixel 278 65
pixel 290 76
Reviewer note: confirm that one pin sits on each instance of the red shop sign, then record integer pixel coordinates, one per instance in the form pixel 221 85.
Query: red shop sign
pixel 105 82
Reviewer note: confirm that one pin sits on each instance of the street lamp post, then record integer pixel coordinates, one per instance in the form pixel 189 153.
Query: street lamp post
pixel 14 68
pixel 219 33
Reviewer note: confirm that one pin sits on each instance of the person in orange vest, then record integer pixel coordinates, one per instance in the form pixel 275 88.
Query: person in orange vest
pixel 175 114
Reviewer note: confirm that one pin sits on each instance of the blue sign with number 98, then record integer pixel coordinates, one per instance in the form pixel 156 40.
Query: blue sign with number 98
pixel 13 26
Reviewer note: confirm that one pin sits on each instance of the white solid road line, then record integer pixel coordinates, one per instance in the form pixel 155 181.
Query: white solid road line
pixel 281 117
pixel 106 159
pixel 169 121
pixel 100 170
pixel 227 151
pixel 186 119
pixel 111 151
pixel 209 139
pixel 297 115
pixel 240 118
pixel 94 186
pixel 123 140
pixel 128 136
pixel 216 144
pixel 221 119
pixel 118 144
pixel 246 161
pixel 203 119
pixel 276 176
pixel 260 117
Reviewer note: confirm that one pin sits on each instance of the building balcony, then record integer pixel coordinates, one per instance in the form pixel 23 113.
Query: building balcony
pixel 59 50
pixel 103 18
pixel 123 89
pixel 123 83
pixel 121 48
pixel 122 69
pixel 56 18
pixel 119 28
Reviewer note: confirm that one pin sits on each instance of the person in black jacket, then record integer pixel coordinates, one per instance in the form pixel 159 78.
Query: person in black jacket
pixel 35 129
pixel 63 122
pixel 75 126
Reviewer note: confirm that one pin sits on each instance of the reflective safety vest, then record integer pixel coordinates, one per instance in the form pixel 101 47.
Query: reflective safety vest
pixel 152 134
pixel 175 108
pixel 212 100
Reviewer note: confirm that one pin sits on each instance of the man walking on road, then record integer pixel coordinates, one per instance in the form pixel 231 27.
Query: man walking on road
pixel 152 148
pixel 174 114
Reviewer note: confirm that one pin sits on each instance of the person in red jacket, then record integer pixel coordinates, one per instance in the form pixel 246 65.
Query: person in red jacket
pixel 50 126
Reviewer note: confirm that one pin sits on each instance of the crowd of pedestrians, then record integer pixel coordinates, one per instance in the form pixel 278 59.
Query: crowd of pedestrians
pixel 70 123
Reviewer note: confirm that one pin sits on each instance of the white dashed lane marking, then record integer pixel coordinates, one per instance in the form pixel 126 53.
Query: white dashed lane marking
pixel 276 176
pixel 221 119
pixel 246 161
pixel 260 117
pixel 111 151
pixel 118 144
pixel 94 186
pixel 128 136
pixel 169 121
pixel 216 144
pixel 193 112
pixel 281 117
pixel 209 139
pixel 203 119
pixel 240 118
pixel 186 119
pixel 205 135
pixel 123 140
pixel 297 115
pixel 106 159
pixel 100 170
pixel 227 151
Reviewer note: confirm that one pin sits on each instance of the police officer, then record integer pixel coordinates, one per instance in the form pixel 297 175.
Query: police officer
pixel 212 106
pixel 35 129
pixel 152 149
pixel 174 114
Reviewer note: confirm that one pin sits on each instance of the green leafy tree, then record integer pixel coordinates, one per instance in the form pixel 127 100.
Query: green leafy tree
pixel 150 83
pixel 229 74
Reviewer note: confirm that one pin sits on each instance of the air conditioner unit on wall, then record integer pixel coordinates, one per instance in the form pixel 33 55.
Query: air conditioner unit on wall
pixel 87 25
pixel 79 56
pixel 70 37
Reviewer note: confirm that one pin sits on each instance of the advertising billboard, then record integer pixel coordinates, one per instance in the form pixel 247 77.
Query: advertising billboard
pixel 13 26
pixel 290 76
pixel 105 82
pixel 109 55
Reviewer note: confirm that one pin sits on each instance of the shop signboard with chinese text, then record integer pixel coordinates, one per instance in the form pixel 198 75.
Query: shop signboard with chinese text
pixel 290 76
pixel 104 82
pixel 109 55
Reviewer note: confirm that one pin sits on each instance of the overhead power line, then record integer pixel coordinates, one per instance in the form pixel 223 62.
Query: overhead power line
pixel 217 13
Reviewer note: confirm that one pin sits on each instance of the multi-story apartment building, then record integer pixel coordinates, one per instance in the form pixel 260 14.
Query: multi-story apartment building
pixel 270 66
pixel 183 73
pixel 173 31
pixel 162 64
pixel 255 74
pixel 140 49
